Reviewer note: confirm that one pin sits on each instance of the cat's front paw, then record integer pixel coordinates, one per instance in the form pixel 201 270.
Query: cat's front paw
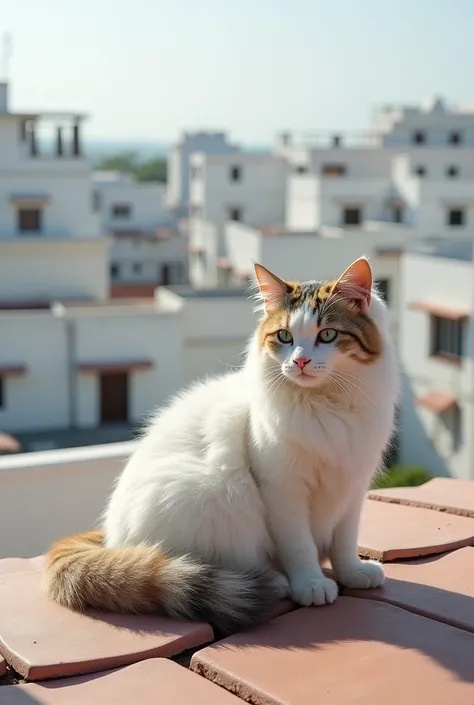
pixel 313 590
pixel 362 575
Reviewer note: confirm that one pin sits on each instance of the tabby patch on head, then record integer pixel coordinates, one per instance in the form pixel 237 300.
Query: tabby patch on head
pixel 314 328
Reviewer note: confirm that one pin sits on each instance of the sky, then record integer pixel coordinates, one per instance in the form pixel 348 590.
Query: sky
pixel 149 69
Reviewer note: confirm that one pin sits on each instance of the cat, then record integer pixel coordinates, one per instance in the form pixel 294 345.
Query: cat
pixel 244 483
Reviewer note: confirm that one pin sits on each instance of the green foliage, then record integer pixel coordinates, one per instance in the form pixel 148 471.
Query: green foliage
pixel 401 476
pixel 125 161
pixel 129 163
pixel 152 170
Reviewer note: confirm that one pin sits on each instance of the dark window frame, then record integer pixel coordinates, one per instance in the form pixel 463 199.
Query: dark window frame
pixel 137 268
pixel 121 210
pixel 456 217
pixel 114 270
pixel 455 137
pixel 352 215
pixel 421 171
pixel 447 339
pixel 236 174
pixel 398 214
pixel 452 171
pixel 236 214
pixel 30 220
pixel 419 137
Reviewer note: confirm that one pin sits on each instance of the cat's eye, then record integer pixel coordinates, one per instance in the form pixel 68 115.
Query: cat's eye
pixel 284 336
pixel 327 335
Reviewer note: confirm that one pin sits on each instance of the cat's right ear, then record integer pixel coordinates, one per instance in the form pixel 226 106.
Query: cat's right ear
pixel 272 288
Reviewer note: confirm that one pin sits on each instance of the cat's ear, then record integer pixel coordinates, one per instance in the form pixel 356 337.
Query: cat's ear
pixel 356 284
pixel 272 288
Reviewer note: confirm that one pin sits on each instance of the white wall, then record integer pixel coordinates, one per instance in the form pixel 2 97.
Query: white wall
pixel 38 399
pixel 142 259
pixel 33 268
pixel 449 282
pixel 132 335
pixel 260 193
pixel 146 201
pixel 45 496
pixel 216 331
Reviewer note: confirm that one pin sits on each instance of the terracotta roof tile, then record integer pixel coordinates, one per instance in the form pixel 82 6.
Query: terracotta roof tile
pixel 391 531
pixel 9 566
pixel 355 651
pixel 420 624
pixel 440 587
pixel 443 493
pixel 146 683
pixel 43 640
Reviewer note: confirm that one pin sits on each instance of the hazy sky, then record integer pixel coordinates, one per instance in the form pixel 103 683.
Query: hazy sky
pixel 146 69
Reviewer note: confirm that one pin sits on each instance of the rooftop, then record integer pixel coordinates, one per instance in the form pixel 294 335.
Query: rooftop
pixel 412 640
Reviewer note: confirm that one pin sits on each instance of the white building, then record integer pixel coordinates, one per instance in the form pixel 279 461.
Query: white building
pixel 415 167
pixel 177 190
pixel 72 360
pixel 147 247
pixel 437 352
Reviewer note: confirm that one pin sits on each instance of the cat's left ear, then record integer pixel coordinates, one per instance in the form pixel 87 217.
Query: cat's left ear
pixel 272 288
pixel 356 284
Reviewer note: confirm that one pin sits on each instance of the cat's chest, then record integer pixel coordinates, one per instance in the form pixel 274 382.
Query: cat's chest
pixel 331 434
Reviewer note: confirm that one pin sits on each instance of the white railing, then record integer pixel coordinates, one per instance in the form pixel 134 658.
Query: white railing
pixel 52 493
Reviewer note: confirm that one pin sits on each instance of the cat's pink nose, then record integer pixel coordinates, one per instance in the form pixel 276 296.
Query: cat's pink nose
pixel 301 361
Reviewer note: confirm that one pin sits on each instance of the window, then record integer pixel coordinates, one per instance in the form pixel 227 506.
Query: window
pixel 383 287
pixel 420 171
pixel 452 172
pixel 419 137
pixel 121 210
pixel 351 216
pixel 446 338
pixel 333 170
pixel 2 394
pixel 397 214
pixel 455 137
pixel 235 214
pixel 301 169
pixel 195 172
pixel 456 217
pixel 96 201
pixel 29 220
pixel 114 271
pixel 137 268
pixel 235 173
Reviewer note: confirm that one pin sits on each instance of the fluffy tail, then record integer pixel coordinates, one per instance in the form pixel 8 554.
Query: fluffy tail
pixel 81 572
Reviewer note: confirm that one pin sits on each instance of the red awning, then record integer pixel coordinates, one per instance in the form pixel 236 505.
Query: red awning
pixel 438 402
pixel 434 308
pixel 12 369
pixel 110 366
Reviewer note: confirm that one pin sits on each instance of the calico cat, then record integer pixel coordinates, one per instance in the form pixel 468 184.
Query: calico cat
pixel 245 482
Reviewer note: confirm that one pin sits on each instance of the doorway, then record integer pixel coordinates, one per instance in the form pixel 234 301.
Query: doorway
pixel 114 397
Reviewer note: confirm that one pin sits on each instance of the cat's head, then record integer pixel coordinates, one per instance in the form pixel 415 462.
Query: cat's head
pixel 312 330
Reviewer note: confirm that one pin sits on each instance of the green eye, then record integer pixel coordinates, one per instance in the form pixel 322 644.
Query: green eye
pixel 328 335
pixel 284 336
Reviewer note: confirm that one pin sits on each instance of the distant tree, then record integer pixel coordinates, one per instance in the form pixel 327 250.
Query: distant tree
pixel 125 161
pixel 129 163
pixel 152 170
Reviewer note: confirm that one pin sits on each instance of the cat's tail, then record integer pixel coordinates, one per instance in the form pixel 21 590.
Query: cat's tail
pixel 81 572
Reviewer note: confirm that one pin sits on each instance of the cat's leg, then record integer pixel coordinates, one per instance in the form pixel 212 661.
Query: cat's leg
pixel 348 568
pixel 288 517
